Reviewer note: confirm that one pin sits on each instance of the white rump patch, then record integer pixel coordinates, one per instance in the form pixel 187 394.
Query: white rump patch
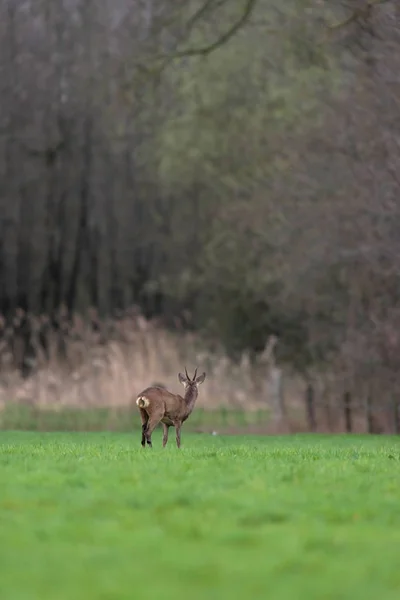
pixel 142 401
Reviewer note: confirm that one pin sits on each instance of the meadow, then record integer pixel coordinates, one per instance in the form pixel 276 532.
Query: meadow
pixel 93 516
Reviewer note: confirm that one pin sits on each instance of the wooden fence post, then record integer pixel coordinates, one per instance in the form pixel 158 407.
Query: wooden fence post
pixel 396 414
pixel 347 412
pixel 310 407
pixel 276 385
pixel 369 416
pixel 328 413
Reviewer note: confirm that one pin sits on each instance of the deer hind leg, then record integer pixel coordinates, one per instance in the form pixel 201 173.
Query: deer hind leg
pixel 151 425
pixel 145 419
pixel 178 426
pixel 165 434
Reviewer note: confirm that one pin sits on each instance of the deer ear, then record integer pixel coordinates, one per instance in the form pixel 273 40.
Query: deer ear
pixel 200 378
pixel 182 378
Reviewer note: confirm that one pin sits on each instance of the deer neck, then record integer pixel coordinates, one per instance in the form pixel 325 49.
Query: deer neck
pixel 190 398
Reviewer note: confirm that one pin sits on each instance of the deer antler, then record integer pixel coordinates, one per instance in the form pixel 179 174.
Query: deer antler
pixel 187 376
pixel 194 376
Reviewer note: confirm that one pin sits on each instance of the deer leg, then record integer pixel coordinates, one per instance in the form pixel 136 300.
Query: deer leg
pixel 152 422
pixel 145 419
pixel 165 434
pixel 178 425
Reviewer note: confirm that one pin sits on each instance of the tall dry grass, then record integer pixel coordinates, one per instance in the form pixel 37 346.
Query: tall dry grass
pixel 92 363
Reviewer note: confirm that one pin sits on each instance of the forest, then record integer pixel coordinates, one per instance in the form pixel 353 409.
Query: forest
pixel 209 181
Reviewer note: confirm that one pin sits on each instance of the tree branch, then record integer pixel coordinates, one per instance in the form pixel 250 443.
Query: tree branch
pixel 225 37
pixel 363 13
pixel 208 6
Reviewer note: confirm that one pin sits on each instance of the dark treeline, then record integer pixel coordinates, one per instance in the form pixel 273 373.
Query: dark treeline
pixel 231 164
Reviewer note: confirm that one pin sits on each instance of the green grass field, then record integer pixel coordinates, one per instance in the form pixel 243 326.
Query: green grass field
pixel 93 516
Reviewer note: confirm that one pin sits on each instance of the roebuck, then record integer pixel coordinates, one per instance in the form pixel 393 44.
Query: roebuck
pixel 157 404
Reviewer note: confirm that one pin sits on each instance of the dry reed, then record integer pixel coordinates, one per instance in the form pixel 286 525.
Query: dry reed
pixel 92 363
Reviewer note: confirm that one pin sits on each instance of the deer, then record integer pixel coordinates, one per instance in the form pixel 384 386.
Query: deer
pixel 158 404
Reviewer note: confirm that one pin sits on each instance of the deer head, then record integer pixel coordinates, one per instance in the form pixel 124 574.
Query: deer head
pixel 191 383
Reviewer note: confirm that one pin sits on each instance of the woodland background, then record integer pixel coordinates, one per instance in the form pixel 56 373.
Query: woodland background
pixel 211 183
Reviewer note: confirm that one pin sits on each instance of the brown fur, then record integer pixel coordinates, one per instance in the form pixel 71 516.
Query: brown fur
pixel 158 404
